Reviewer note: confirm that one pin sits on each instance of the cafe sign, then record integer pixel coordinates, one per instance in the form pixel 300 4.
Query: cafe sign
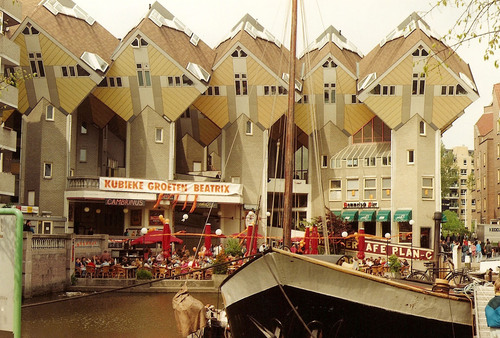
pixel 125 202
pixel 384 249
pixel 172 187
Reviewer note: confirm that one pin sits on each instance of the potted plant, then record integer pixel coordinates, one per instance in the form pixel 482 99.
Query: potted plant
pixel 394 266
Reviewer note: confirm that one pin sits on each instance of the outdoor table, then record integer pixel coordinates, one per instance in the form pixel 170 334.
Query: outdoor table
pixel 130 269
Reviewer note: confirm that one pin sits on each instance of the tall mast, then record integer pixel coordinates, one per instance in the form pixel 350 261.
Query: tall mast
pixel 289 135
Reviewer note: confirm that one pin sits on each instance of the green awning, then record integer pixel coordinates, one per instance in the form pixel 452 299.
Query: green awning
pixel 384 216
pixel 402 215
pixel 444 219
pixel 350 215
pixel 367 216
pixel 337 212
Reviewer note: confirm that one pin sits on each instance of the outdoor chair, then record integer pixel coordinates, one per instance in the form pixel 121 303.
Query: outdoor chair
pixel 90 271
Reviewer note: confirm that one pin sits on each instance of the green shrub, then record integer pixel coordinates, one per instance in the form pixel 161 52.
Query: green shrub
pixel 233 247
pixel 394 263
pixel 73 279
pixel 221 269
pixel 144 274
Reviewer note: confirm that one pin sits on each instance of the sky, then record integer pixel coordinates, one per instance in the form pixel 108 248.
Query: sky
pixel 363 22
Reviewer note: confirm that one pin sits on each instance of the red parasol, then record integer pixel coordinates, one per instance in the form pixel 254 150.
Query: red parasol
pixel 249 239
pixel 154 237
pixel 165 243
pixel 254 239
pixel 314 240
pixel 208 239
pixel 361 244
pixel 307 241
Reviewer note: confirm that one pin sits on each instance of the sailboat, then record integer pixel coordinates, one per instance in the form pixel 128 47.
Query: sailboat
pixel 282 294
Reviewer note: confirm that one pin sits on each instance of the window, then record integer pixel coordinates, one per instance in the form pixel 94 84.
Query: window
pixel 386 187
pixel 83 155
pixel 370 189
pixel 335 190
pixel 484 182
pixel 370 161
pixel 324 161
pixel 47 170
pixel 420 51
pixel 143 75
pixel 427 188
pixel 159 135
pixel 31 197
pixel 352 163
pixel 329 93
pixel 335 163
pixel 239 53
pixel 373 131
pixel 418 84
pixel 465 162
pixel 29 30
pixel 49 113
pixel 453 90
pixel 353 189
pixel 463 181
pixel 249 128
pixel 329 64
pixel 303 99
pixel 386 160
pixel 139 42
pixel 36 64
pixel 462 201
pixel 463 192
pixel 186 81
pixel 83 128
pixel 411 157
pixel 240 84
pixel 422 128
pixel 212 91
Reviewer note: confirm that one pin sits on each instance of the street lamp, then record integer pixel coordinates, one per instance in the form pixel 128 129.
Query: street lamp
pixel 344 236
pixel 387 236
pixel 412 222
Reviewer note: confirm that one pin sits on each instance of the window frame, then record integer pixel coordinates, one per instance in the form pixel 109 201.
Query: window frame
pixel 249 128
pixel 428 187
pixel 47 170
pixel 369 189
pixel 49 116
pixel 158 138
pixel 337 191
pixel 384 195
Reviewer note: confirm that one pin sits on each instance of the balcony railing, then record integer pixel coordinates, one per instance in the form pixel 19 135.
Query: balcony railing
pixel 12 12
pixel 8 96
pixel 83 183
pixel 7 138
pixel 7 184
pixel 9 51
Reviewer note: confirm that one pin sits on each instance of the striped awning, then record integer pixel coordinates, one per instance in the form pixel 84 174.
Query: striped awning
pixel 350 215
pixel 402 216
pixel 337 212
pixel 367 216
pixel 384 216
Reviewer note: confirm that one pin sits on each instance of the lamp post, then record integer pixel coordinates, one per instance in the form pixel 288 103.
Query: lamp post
pixel 412 222
pixel 344 236
pixel 387 236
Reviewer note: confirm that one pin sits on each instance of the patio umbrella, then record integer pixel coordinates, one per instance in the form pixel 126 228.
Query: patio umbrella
pixel 154 237
pixel 208 239
pixel 249 239
pixel 307 240
pixel 314 240
pixel 165 242
pixel 361 244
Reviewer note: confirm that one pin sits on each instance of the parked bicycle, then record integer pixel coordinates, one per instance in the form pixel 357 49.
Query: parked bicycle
pixel 448 272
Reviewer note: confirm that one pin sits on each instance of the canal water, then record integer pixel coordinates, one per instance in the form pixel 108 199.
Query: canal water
pixel 108 315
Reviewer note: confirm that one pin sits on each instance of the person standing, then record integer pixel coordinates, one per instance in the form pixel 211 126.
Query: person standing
pixel 492 311
pixel 488 248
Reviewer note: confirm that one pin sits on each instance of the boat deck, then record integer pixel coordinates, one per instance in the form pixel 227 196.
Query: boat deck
pixel 482 295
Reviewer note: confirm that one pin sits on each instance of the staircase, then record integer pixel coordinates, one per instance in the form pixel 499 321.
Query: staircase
pixel 482 295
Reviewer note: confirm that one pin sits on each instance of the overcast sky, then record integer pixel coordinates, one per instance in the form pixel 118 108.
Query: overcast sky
pixel 363 22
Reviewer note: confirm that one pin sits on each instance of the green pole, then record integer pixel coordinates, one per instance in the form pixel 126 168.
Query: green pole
pixel 18 267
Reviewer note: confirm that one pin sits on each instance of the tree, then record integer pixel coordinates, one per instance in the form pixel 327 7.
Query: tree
pixel 479 19
pixel 449 171
pixel 453 225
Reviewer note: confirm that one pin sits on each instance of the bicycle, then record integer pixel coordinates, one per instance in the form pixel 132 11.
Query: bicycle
pixel 458 277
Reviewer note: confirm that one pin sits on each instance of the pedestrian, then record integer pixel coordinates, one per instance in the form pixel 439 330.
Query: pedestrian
pixel 492 311
pixel 488 248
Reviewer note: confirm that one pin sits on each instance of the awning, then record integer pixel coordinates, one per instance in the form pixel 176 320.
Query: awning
pixel 402 215
pixel 350 215
pixel 384 216
pixel 337 212
pixel 367 216
pixel 444 219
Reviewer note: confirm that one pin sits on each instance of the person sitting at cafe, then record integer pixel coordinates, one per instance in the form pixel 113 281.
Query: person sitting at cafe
pixel 105 256
pixel 80 267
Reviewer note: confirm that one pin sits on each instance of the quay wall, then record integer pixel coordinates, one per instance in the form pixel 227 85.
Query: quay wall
pixel 49 260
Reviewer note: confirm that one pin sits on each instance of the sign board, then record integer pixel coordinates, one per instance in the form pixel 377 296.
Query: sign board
pixel 173 187
pixel 491 232
pixel 402 251
pixel 7 266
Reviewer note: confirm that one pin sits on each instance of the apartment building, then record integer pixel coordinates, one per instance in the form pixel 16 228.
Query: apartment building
pixel 460 198
pixel 486 162
pixel 110 128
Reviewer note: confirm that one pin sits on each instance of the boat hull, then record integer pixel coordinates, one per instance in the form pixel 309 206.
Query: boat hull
pixel 343 303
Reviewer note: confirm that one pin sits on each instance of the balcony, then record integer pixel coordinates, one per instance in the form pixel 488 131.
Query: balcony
pixel 8 139
pixel 9 52
pixel 8 96
pixel 12 12
pixel 83 183
pixel 7 184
